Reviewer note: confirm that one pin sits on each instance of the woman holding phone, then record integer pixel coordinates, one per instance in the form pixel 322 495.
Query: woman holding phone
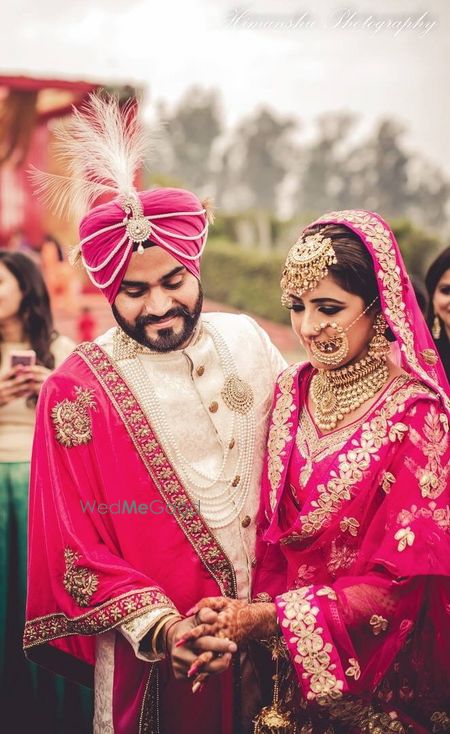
pixel 29 350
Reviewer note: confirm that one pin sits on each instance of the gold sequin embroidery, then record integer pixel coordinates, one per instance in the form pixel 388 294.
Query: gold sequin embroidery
pixel 378 623
pixel 405 537
pixel 280 428
pixel 79 582
pixel 72 420
pixel 356 462
pixel 300 618
pixel 354 670
pixel 433 477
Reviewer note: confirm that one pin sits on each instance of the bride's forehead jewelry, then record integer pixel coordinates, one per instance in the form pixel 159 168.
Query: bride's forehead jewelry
pixel 306 265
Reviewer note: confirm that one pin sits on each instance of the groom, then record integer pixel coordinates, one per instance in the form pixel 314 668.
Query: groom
pixel 165 418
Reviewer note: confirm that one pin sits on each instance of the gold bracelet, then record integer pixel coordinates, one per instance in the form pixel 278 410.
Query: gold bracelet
pixel 159 626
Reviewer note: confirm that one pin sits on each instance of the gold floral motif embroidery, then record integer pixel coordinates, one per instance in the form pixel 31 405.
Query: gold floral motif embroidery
pixel 379 237
pixel 387 479
pixel 349 524
pixel 397 432
pixel 405 537
pixel 79 582
pixel 378 623
pixel 72 420
pixel 341 557
pixel 300 618
pixel 440 721
pixel 101 619
pixel 433 477
pixel 354 670
pixel 305 573
pixel 279 432
pixel 328 592
pixel 354 464
pixel 439 515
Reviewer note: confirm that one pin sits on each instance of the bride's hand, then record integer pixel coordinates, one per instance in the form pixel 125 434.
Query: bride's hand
pixel 237 620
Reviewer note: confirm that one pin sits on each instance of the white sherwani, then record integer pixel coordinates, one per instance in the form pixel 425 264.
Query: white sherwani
pixel 216 452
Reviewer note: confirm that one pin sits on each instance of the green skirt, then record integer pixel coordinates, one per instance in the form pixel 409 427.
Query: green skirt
pixel 31 698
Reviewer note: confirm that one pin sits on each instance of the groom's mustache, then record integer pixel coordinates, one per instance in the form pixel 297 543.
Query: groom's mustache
pixel 147 320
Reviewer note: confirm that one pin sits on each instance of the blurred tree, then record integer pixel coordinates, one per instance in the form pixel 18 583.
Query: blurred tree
pixel 189 136
pixel 322 182
pixel 255 162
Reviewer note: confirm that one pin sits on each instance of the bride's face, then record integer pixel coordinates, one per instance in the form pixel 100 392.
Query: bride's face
pixel 329 302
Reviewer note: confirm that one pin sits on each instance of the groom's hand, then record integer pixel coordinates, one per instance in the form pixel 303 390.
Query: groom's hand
pixel 183 651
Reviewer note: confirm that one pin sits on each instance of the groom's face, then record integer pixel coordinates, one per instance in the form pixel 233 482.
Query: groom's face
pixel 159 302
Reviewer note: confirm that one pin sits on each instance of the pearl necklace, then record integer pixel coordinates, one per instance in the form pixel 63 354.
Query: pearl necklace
pixel 336 393
pixel 221 500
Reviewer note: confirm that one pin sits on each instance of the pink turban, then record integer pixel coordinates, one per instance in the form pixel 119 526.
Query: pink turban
pixel 173 219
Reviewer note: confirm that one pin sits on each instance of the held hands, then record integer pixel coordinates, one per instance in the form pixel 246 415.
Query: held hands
pixel 219 618
pixel 183 650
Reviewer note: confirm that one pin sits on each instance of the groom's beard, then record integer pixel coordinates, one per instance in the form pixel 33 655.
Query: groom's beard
pixel 168 338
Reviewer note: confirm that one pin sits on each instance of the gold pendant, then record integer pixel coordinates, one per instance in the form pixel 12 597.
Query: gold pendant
pixel 272 720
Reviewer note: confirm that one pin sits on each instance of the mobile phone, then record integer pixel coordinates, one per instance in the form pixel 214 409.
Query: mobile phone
pixel 25 357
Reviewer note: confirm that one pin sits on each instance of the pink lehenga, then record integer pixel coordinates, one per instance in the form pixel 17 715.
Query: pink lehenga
pixel 355 533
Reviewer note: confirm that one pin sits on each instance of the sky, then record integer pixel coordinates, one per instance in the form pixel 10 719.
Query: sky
pixel 374 58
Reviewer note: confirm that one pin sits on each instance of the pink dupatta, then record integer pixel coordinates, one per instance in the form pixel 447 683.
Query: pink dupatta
pixel 361 571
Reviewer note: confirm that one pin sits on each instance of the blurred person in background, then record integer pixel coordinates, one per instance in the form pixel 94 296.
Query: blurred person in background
pixel 437 281
pixel 25 324
pixel 420 293
pixel 60 278
pixel 86 325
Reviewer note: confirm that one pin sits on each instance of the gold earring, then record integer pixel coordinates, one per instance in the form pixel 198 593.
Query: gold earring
pixel 379 345
pixel 332 351
pixel 436 328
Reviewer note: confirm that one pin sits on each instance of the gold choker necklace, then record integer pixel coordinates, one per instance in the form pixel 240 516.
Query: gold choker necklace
pixel 336 393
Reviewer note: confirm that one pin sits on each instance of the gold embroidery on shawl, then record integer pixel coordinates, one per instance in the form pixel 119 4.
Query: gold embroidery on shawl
pixel 280 429
pixel 405 537
pixel 354 670
pixel 397 432
pixel 378 623
pixel 439 515
pixel 341 557
pixel 349 524
pixel 79 582
pixel 72 420
pixel 356 462
pixel 433 477
pixel 300 617
pixel 387 480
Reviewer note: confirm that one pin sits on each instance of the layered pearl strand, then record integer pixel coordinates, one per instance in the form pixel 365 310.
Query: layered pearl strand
pixel 336 393
pixel 221 497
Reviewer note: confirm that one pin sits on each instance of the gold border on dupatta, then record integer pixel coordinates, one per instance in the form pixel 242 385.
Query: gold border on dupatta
pixel 279 431
pixel 105 617
pixel 160 469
